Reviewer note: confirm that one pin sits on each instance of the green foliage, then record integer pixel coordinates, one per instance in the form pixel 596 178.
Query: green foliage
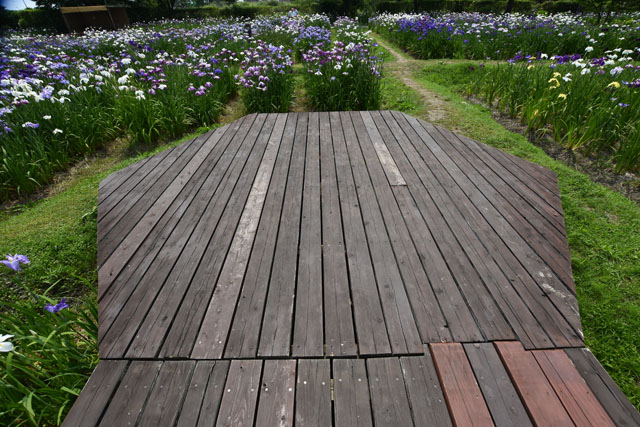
pixel 53 356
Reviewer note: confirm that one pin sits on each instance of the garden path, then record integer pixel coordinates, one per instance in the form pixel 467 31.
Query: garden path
pixel 344 268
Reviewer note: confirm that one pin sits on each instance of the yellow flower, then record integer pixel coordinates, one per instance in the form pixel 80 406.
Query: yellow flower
pixel 535 113
pixel 555 82
pixel 533 58
pixel 529 67
pixel 562 96
pixel 614 84
pixel 556 74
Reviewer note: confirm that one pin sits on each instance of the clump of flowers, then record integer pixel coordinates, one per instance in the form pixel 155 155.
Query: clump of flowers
pixel 266 78
pixel 346 77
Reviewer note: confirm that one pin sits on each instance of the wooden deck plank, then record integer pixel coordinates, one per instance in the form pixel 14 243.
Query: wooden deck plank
pixel 386 160
pixel 613 400
pixel 113 182
pixel 449 226
pixel 245 330
pixel 389 400
pixel 129 399
pixel 166 396
pixel 427 313
pixel 277 394
pixel 216 235
pixel 195 394
pixel 339 328
pixel 129 244
pixel 125 217
pixel 533 228
pixel 277 324
pixel 143 303
pixel 499 393
pixel 313 393
pixel 215 391
pixel 240 397
pixel 502 253
pixel 524 254
pixel 215 326
pixel 94 398
pixel 583 408
pixel 425 394
pixel 401 325
pixel 351 393
pixel 534 389
pixel 308 334
pixel 461 391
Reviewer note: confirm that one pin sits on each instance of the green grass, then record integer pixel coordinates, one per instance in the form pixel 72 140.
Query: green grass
pixel 58 233
pixel 602 228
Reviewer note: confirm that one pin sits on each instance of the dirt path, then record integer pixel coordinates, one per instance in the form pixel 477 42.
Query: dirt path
pixel 403 69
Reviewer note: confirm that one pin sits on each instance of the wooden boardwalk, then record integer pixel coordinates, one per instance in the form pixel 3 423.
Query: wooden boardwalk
pixel 353 268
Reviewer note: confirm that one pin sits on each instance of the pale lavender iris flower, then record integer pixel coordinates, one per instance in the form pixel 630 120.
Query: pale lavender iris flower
pixel 13 262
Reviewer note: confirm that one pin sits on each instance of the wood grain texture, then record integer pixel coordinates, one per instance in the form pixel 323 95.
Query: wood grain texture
pixel 277 394
pixel 461 391
pixel 542 403
pixel 313 393
pixel 240 394
pixel 351 393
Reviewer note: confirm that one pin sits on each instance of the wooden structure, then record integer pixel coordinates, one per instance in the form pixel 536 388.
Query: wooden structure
pixel 352 268
pixel 80 18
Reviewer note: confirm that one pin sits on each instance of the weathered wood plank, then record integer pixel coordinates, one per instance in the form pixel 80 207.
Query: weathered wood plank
pixel 245 331
pixel 215 237
pixel 213 396
pixel 401 325
pixel 389 400
pixel 129 244
pixel 308 334
pixel 313 393
pixel 130 397
pixel 535 232
pixel 388 164
pixel 621 411
pixel 277 325
pixel 499 393
pixel 217 321
pixel 167 394
pixel 140 300
pixel 338 316
pixel 195 394
pixel 427 313
pixel 240 397
pixel 425 394
pixel 464 398
pixel 94 398
pixel 583 408
pixel 534 389
pixel 351 393
pixel 277 393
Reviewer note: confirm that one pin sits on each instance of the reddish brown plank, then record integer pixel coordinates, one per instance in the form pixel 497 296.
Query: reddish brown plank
pixel 541 401
pixel 464 398
pixel 583 408
pixel 617 405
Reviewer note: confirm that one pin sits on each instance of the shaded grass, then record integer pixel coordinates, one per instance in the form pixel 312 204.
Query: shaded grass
pixel 602 229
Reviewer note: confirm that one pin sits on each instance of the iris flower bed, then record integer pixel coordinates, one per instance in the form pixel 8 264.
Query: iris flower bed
pixel 47 351
pixel 491 36
pixel 266 79
pixel 589 104
pixel 64 97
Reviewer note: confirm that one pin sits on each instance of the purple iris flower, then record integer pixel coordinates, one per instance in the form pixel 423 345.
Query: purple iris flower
pixel 13 262
pixel 56 308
